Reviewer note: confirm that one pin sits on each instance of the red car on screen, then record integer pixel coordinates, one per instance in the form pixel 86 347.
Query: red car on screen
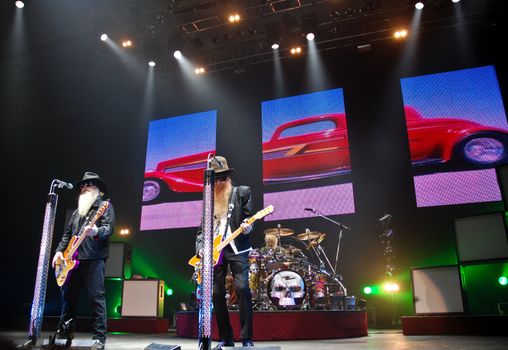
pixel 317 147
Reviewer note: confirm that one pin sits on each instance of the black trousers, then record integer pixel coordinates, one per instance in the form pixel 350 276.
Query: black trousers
pixel 240 269
pixel 88 276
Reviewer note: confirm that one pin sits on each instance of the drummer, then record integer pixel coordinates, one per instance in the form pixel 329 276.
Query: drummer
pixel 271 245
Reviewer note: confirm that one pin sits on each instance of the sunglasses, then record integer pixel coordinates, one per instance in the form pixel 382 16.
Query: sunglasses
pixel 87 184
pixel 221 177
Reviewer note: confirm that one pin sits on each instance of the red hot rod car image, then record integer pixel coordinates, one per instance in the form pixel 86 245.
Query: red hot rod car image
pixel 317 147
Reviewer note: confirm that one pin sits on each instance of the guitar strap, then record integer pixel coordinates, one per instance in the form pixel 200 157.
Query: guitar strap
pixel 230 210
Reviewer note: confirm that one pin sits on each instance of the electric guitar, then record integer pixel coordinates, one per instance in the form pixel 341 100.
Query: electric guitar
pixel 219 244
pixel 64 267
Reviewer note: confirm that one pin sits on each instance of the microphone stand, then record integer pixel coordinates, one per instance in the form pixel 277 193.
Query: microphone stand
pixel 341 228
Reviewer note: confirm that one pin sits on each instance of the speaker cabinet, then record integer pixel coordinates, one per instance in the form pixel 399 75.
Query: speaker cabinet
pixel 118 264
pixel 437 290
pixel 143 298
pixel 481 237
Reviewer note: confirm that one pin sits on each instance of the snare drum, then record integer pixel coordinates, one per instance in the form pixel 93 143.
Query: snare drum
pixel 286 289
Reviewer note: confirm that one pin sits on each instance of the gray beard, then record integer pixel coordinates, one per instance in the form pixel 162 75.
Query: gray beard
pixel 86 200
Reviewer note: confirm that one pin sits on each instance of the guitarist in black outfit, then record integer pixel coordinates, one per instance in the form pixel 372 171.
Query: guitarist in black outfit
pixel 92 255
pixel 234 202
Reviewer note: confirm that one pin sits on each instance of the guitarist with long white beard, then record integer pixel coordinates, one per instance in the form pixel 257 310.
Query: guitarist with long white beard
pixel 92 255
pixel 234 202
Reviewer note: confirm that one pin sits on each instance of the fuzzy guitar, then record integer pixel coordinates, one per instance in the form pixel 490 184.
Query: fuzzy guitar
pixel 219 244
pixel 63 268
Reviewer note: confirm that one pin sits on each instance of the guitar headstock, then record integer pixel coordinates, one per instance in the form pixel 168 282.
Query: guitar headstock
pixel 262 213
pixel 101 210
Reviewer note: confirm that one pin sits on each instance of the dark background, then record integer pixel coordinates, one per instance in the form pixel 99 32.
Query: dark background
pixel 71 106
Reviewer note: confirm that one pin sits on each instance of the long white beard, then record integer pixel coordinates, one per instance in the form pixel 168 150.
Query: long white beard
pixel 86 200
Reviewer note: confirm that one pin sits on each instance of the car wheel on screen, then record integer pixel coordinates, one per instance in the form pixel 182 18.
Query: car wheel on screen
pixel 484 149
pixel 152 191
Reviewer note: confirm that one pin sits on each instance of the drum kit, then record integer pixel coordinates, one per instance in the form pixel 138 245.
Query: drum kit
pixel 284 277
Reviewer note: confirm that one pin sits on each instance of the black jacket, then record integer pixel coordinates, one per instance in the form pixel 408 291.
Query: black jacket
pixel 241 211
pixel 92 247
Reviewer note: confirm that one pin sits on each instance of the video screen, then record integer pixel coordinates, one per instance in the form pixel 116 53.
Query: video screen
pixel 176 156
pixel 458 134
pixel 306 161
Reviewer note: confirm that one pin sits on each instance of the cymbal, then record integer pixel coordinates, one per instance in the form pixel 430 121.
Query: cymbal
pixel 321 238
pixel 279 231
pixel 312 244
pixel 308 235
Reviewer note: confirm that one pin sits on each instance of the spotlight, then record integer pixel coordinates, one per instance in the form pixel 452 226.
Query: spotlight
pixel 296 50
pixel 151 64
pixel 199 70
pixel 455 1
pixel 124 231
pixel 391 287
pixel 367 290
pixel 104 37
pixel 126 43
pixel 169 292
pixel 503 280
pixel 310 36
pixel 419 5
pixel 19 4
pixel 275 46
pixel 400 34
pixel 177 54
pixel 234 18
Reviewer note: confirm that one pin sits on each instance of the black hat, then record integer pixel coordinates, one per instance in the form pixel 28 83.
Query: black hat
pixel 94 179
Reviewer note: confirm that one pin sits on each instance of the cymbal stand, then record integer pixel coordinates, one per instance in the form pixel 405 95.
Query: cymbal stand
pixel 334 275
pixel 341 227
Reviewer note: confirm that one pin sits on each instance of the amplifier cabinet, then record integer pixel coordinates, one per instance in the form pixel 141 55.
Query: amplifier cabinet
pixel 143 298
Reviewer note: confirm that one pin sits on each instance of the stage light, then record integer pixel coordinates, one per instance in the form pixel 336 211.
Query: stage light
pixel 503 280
pixel 118 309
pixel 391 287
pixel 275 46
pixel 199 70
pixel 400 34
pixel 419 5
pixel 126 43
pixel 151 63
pixel 310 36
pixel 169 292
pixel 296 50
pixel 455 1
pixel 234 18
pixel 177 54
pixel 367 290
pixel 124 231
pixel 19 4
pixel 104 37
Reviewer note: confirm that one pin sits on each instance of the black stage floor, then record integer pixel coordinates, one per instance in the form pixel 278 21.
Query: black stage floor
pixel 376 340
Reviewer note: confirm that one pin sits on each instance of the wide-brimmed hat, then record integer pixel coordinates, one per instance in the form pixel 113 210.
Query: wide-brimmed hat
pixel 94 179
pixel 219 164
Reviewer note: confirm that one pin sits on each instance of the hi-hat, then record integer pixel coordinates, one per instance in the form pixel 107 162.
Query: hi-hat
pixel 276 231
pixel 308 235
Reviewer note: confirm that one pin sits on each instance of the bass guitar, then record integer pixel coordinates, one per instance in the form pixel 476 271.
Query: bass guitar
pixel 64 267
pixel 219 244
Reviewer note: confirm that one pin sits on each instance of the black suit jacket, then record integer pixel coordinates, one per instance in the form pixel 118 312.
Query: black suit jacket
pixel 241 211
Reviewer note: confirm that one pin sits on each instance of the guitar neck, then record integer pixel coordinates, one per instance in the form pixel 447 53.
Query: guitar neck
pixel 235 234
pixel 92 222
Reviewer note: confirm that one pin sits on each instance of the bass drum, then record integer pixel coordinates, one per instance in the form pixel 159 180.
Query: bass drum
pixel 286 289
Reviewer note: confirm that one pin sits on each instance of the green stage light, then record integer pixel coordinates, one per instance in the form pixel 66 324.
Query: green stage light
pixel 367 290
pixel 118 309
pixel 169 292
pixel 503 280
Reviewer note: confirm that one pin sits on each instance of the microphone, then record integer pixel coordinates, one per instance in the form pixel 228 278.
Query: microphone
pixel 62 184
pixel 309 209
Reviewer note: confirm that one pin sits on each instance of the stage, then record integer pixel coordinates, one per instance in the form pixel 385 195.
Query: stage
pixel 286 325
pixel 376 340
